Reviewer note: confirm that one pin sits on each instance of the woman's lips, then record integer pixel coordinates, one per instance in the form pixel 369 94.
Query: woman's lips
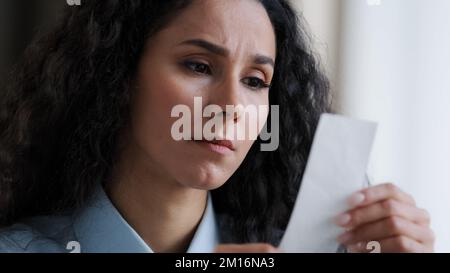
pixel 218 146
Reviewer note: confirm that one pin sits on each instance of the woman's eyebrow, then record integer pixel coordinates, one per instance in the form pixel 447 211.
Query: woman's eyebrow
pixel 221 51
pixel 213 48
pixel 261 59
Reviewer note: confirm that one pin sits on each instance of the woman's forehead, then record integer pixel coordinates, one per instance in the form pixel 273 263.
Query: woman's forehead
pixel 234 24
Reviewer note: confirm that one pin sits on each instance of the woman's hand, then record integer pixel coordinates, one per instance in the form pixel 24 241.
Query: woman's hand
pixel 389 216
pixel 246 248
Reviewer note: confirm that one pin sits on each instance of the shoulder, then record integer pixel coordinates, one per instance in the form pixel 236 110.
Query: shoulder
pixel 37 234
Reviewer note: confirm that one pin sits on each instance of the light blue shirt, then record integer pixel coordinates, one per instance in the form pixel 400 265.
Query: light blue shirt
pixel 96 228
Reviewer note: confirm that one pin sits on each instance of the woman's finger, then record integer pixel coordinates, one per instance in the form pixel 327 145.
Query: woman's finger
pixel 360 247
pixel 388 227
pixel 396 244
pixel 379 193
pixel 403 244
pixel 384 209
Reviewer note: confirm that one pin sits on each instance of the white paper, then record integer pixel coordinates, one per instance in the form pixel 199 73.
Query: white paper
pixel 336 168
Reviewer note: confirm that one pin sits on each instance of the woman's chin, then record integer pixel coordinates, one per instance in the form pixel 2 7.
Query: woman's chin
pixel 204 180
pixel 207 186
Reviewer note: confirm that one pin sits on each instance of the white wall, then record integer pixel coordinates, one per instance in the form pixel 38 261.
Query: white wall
pixel 323 16
pixel 393 67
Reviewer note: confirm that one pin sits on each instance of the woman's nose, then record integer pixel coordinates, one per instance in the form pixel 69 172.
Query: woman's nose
pixel 227 94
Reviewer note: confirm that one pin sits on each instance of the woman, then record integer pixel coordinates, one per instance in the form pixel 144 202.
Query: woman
pixel 87 156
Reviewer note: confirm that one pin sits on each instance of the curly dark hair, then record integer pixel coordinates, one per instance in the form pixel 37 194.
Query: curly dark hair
pixel 69 98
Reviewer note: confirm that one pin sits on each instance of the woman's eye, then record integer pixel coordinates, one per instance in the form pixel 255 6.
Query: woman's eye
pixel 255 83
pixel 198 67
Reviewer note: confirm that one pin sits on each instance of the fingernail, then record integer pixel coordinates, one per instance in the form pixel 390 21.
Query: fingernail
pixel 343 219
pixel 344 238
pixel 356 199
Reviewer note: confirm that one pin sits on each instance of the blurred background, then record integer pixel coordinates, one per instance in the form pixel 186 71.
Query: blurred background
pixel 388 61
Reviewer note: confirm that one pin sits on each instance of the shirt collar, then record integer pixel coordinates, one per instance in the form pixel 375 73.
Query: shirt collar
pixel 100 228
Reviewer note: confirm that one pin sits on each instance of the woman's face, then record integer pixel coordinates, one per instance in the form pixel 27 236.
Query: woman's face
pixel 221 51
